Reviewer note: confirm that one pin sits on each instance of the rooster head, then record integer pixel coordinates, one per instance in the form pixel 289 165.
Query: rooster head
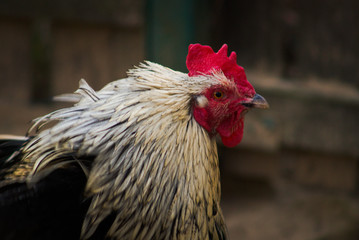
pixel 221 107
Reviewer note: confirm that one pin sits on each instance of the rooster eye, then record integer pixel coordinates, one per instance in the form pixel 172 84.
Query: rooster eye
pixel 218 94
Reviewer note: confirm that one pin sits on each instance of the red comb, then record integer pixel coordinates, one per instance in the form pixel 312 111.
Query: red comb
pixel 203 60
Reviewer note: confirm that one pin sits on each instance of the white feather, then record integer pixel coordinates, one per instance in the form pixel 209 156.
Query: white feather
pixel 149 114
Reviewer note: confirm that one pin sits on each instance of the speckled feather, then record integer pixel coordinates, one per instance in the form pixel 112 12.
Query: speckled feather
pixel 156 169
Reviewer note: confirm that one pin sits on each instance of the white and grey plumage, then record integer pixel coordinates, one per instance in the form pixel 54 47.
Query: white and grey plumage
pixel 153 170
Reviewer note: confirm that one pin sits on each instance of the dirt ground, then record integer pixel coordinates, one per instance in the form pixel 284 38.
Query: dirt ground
pixel 254 211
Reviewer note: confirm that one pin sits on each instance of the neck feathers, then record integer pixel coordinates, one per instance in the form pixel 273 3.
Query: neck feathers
pixel 149 151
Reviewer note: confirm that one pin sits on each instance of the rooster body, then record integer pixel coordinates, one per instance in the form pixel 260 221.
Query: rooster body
pixel 146 151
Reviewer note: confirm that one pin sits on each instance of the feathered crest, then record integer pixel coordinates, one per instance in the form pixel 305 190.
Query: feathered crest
pixel 202 60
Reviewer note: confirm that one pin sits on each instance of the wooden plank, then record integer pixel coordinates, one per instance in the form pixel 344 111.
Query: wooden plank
pixel 119 13
pixel 40 52
pixel 171 26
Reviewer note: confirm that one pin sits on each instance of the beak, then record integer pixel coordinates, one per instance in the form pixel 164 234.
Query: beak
pixel 256 102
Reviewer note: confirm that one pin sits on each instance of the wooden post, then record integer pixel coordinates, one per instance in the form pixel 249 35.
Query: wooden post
pixel 41 49
pixel 171 26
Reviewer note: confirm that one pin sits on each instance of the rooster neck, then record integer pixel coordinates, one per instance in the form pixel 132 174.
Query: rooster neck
pixel 191 159
pixel 175 171
pixel 155 168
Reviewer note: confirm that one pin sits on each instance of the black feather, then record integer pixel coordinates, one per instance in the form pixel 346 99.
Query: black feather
pixel 52 208
pixel 8 148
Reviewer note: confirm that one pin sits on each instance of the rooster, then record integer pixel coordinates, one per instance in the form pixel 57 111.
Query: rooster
pixel 135 160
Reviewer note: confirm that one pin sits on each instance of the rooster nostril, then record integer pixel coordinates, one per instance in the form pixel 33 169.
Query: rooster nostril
pixel 256 102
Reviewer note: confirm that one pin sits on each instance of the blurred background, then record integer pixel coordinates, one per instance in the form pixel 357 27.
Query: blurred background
pixel 295 175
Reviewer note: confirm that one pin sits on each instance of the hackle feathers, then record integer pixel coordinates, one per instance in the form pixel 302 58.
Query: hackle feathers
pixel 153 161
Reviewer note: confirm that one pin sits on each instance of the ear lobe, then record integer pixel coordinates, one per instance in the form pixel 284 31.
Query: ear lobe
pixel 201 101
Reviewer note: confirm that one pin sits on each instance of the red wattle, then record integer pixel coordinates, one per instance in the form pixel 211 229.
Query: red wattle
pixel 231 136
pixel 234 139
